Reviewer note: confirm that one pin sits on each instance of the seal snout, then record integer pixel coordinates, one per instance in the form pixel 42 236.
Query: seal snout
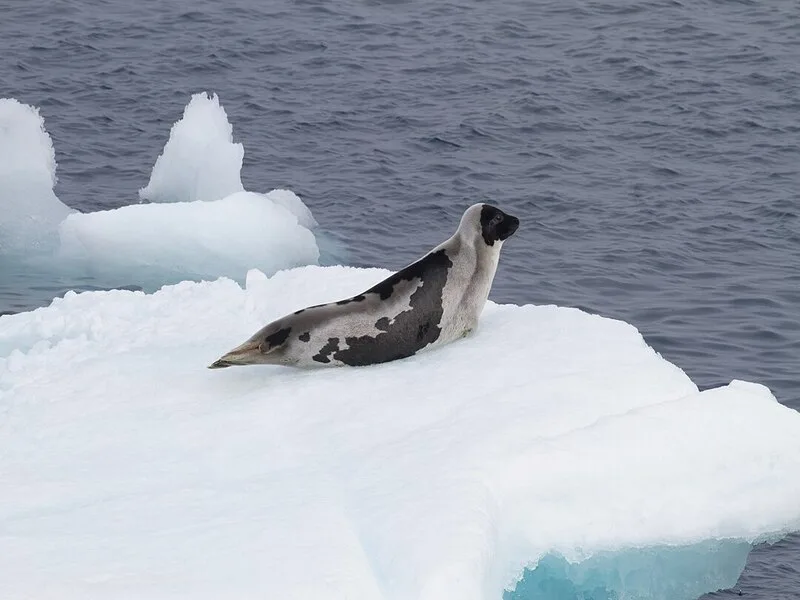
pixel 512 224
pixel 507 227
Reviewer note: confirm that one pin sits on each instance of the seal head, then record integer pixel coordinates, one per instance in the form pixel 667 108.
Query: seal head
pixel 496 224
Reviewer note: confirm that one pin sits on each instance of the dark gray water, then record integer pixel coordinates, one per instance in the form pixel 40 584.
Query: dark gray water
pixel 650 148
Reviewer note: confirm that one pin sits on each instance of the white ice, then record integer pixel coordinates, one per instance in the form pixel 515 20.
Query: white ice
pixel 201 222
pixel 200 161
pixel 129 470
pixel 29 210
pixel 181 240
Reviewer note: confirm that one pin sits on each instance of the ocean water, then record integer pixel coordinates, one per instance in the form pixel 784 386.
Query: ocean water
pixel 650 149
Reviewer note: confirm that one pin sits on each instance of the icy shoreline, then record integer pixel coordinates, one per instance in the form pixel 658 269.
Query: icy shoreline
pixel 130 470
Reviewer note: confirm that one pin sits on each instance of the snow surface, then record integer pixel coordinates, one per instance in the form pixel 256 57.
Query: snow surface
pixel 29 210
pixel 129 470
pixel 202 222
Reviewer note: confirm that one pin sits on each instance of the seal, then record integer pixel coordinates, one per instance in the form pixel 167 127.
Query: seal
pixel 433 301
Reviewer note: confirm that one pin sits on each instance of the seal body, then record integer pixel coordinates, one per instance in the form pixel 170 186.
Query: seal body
pixel 432 301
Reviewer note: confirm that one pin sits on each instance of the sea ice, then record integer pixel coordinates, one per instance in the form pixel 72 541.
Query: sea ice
pixel 549 439
pixel 29 210
pixel 181 240
pixel 201 223
pixel 200 160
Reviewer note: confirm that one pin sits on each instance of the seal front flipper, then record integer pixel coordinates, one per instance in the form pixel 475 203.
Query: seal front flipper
pixel 258 350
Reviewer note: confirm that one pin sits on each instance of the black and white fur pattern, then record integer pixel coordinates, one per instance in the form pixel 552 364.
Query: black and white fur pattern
pixel 433 301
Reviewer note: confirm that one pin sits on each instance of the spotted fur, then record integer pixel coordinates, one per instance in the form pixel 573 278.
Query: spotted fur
pixel 433 301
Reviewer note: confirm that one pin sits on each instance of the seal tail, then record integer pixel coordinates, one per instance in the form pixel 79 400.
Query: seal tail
pixel 248 353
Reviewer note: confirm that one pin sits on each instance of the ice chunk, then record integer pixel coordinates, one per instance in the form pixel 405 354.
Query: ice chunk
pixel 217 230
pixel 172 241
pixel 654 573
pixel 291 202
pixel 29 209
pixel 548 440
pixel 201 224
pixel 200 160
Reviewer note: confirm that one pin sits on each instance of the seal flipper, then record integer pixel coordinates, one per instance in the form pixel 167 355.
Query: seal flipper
pixel 255 351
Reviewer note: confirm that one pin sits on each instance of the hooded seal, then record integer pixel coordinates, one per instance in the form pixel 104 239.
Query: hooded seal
pixel 431 302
